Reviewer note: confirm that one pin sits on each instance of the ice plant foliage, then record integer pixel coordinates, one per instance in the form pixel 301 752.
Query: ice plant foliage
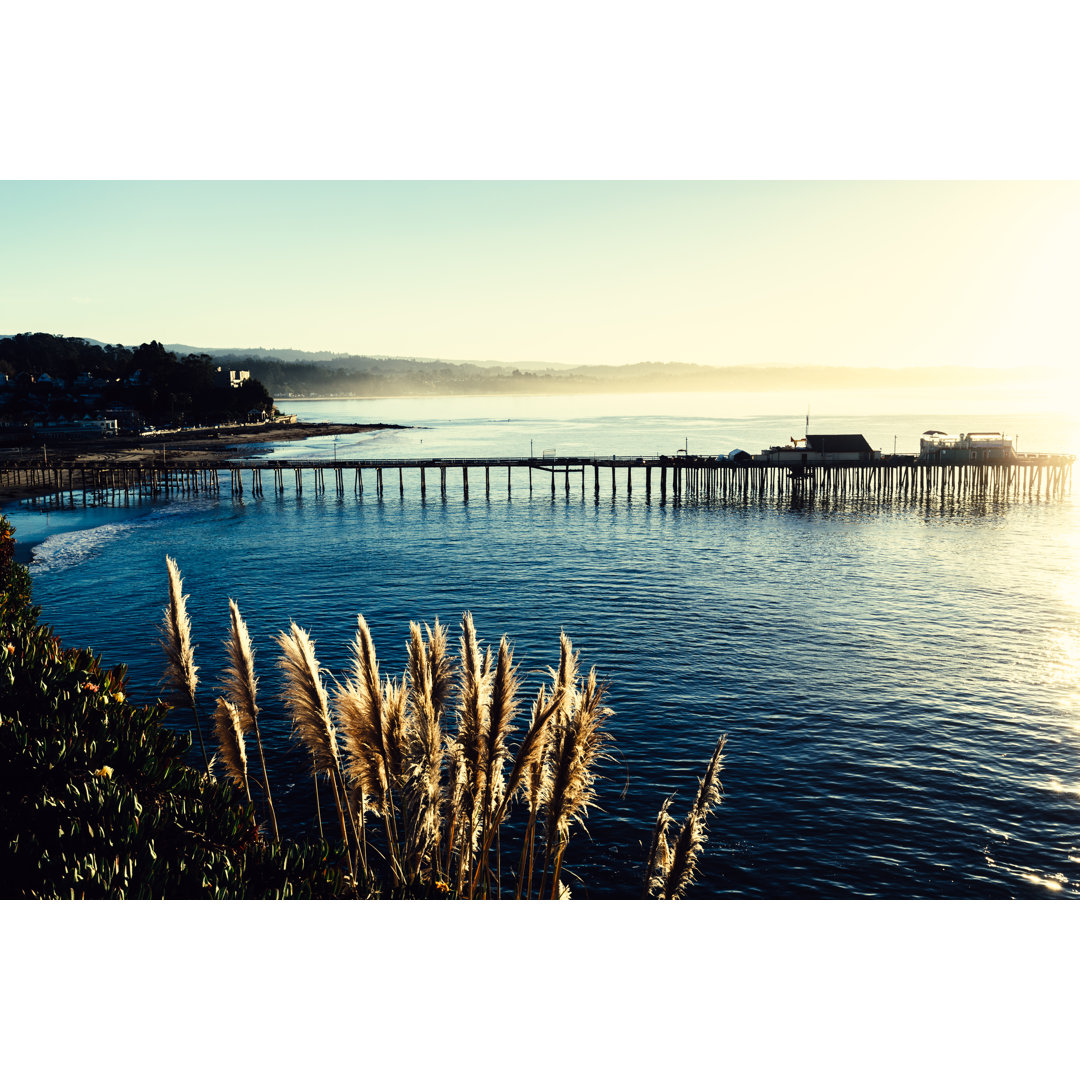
pixel 96 800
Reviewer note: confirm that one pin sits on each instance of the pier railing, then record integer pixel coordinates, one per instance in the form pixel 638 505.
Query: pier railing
pixel 677 478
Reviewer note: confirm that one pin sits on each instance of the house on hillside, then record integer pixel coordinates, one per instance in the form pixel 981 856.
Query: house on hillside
pixel 230 378
pixel 124 418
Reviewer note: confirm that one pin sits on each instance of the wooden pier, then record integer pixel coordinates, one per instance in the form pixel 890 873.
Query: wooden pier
pixel 658 479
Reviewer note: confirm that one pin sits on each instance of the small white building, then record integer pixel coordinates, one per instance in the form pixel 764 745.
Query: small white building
pixel 231 378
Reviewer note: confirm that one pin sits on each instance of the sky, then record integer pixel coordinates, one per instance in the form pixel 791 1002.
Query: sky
pixel 722 270
pixel 872 273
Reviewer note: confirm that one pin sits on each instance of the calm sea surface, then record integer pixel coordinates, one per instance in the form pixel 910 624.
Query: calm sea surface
pixel 899 684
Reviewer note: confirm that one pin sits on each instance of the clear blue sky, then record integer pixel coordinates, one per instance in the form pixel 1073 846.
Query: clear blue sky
pixel 870 273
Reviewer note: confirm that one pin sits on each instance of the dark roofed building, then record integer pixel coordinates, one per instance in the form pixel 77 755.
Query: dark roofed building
pixel 840 444
pixel 822 450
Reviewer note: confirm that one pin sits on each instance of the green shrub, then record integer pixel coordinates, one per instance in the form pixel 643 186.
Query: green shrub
pixel 95 798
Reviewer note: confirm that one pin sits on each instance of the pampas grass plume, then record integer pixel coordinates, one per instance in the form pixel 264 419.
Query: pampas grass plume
pixel 675 869
pixel 180 670
pixel 241 686
pixel 305 697
pixel 230 734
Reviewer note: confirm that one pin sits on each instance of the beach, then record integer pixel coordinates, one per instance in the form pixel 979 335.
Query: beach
pixel 223 444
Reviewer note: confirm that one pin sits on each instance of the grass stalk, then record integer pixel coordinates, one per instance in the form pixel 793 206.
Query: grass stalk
pixel 675 872
pixel 577 745
pixel 471 740
pixel 502 709
pixel 230 734
pixel 180 668
pixel 555 874
pixel 305 697
pixel 334 781
pixel 372 723
pixel 658 861
pixel 525 874
pixel 423 747
pixel 242 685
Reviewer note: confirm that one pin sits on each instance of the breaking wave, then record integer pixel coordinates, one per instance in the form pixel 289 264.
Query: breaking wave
pixel 62 551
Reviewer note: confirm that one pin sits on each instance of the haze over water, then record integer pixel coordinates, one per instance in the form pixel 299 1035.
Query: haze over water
pixel 898 683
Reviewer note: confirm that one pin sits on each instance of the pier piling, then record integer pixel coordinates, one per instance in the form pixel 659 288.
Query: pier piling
pixel 681 481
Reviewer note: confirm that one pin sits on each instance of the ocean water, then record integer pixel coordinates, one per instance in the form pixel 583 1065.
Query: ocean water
pixel 899 683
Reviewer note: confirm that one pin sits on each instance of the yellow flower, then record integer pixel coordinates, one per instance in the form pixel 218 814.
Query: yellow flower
pixel 441 886
pixel 10 648
pixel 118 697
pixel 105 772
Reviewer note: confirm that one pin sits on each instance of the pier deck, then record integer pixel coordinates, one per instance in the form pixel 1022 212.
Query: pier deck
pixel 680 478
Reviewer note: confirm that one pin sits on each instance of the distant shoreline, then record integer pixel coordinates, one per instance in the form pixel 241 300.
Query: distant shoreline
pixel 221 444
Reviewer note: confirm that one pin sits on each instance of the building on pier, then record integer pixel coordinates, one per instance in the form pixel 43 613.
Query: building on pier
pixel 975 448
pixel 821 450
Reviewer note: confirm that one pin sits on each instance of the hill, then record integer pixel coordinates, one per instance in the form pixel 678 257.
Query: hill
pixel 296 373
pixel 45 379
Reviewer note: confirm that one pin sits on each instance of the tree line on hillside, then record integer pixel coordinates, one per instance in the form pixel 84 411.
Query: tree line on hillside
pixel 50 378
pixel 360 376
pixel 183 386
pixel 397 378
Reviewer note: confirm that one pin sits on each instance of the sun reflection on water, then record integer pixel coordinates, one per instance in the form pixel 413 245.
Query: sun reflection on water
pixel 1053 884
pixel 1050 882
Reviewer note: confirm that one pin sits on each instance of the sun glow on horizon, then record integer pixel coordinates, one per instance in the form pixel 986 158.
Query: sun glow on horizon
pixel 869 274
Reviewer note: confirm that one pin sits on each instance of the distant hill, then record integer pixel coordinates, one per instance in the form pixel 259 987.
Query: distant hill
pixel 347 360
pixel 298 373
pixel 290 355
